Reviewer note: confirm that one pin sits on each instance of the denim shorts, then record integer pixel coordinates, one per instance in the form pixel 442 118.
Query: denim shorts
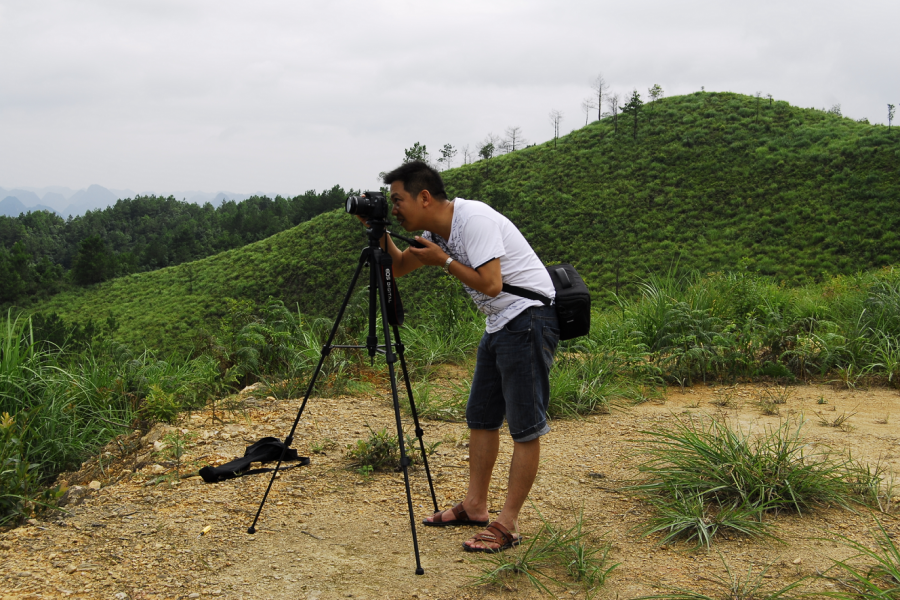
pixel 512 375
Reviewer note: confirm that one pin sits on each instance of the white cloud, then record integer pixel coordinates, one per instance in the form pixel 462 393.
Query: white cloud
pixel 286 96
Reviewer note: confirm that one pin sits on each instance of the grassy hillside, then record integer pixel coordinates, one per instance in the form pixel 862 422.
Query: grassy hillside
pixel 311 264
pixel 709 181
pixel 715 181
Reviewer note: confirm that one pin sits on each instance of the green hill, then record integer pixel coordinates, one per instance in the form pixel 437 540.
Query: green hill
pixel 718 181
pixel 715 181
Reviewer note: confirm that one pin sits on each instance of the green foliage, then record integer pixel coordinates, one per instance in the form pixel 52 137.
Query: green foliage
pixel 175 445
pixel 160 405
pixel 704 477
pixel 381 451
pixel 417 152
pixel 799 195
pixel 93 262
pixel 795 198
pixel 136 235
pixel 66 403
pixel 21 493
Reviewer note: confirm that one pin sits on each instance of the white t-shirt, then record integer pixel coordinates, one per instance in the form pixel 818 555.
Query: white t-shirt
pixel 479 234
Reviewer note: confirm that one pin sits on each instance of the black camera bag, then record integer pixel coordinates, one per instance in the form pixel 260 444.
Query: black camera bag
pixel 268 449
pixel 573 300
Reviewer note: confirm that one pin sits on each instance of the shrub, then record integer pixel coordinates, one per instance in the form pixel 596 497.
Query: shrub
pixel 703 477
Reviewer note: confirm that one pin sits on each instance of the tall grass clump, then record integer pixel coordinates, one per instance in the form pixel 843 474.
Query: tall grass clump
pixel 703 477
pixel 65 404
pixel 446 327
pixel 591 374
pixel 730 326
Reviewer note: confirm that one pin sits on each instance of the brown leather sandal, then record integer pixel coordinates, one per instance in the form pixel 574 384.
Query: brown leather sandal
pixel 459 518
pixel 495 534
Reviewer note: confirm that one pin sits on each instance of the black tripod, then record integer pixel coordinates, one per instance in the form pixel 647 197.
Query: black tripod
pixel 380 280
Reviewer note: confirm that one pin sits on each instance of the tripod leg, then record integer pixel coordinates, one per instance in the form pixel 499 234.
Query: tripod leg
pixel 415 415
pixel 391 359
pixel 326 350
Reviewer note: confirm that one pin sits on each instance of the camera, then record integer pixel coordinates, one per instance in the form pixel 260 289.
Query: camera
pixel 369 205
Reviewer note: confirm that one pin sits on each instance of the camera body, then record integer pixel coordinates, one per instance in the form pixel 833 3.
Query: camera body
pixel 369 205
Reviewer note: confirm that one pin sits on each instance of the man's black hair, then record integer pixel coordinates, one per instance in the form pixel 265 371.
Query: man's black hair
pixel 417 176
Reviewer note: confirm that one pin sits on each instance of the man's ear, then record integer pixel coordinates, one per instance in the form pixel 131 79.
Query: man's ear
pixel 426 196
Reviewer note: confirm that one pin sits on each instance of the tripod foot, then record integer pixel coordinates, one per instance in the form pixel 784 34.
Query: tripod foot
pixel 251 530
pixel 420 571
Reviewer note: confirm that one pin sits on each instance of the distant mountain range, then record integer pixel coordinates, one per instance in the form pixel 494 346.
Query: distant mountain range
pixel 67 202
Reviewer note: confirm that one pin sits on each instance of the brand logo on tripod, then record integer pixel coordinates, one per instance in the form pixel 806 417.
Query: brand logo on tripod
pixel 388 284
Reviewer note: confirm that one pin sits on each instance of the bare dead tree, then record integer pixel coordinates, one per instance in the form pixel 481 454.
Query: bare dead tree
pixel 587 105
pixel 600 88
pixel 513 139
pixel 890 115
pixel 467 155
pixel 612 102
pixel 555 118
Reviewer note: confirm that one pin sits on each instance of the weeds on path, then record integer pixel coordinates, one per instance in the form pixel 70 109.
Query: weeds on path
pixel 736 587
pixel 544 557
pixel 878 578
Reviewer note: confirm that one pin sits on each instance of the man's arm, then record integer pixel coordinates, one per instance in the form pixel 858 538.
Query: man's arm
pixel 486 279
pixel 405 261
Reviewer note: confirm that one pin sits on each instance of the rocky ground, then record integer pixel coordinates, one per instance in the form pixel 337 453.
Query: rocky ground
pixel 136 529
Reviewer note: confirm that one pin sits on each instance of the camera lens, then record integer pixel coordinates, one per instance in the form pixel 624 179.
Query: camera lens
pixel 370 204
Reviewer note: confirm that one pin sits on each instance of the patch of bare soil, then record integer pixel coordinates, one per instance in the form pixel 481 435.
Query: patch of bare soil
pixel 327 533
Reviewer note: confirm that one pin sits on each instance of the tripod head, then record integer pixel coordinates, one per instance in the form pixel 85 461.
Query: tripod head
pixel 375 230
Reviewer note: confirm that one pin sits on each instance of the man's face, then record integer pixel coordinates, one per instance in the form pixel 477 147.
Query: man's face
pixel 406 209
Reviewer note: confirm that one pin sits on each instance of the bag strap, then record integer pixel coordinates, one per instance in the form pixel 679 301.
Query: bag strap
pixel 518 291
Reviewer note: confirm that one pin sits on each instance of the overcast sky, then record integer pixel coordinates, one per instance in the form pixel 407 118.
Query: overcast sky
pixel 290 95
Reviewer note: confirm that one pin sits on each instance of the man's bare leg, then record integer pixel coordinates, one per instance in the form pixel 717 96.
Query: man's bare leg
pixel 522 471
pixel 483 448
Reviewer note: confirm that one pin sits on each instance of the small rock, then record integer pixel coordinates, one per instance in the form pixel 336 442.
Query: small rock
pixel 466 457
pixel 121 596
pixel 74 496
pixel 95 485
pixel 159 446
pixel 797 561
pixel 194 595
pixel 157 469
pixel 154 434
pixel 71 568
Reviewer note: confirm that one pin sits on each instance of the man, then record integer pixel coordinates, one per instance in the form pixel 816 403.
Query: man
pixel 483 249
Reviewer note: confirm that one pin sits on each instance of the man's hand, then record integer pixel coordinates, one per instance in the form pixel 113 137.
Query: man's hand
pixel 431 254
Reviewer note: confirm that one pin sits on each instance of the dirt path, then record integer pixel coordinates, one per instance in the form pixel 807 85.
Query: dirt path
pixel 326 533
